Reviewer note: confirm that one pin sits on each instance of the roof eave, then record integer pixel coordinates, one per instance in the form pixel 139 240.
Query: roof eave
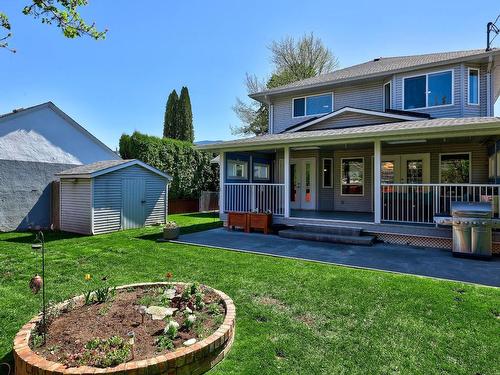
pixel 267 94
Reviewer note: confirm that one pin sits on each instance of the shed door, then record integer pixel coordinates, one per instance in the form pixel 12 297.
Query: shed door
pixel 133 203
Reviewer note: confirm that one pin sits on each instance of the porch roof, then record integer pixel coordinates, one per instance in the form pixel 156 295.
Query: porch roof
pixel 450 127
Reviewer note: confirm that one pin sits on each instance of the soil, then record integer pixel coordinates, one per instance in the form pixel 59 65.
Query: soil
pixel 69 332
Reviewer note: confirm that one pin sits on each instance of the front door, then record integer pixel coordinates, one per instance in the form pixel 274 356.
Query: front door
pixel 303 184
pixel 133 203
pixel 405 169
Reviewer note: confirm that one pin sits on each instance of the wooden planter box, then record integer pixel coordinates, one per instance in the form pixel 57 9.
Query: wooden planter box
pixel 260 221
pixel 237 219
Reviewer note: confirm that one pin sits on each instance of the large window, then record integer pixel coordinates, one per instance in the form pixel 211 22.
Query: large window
pixel 454 168
pixel 312 105
pixel 352 176
pixel 428 90
pixel 261 171
pixel 237 169
pixel 473 86
pixel 327 173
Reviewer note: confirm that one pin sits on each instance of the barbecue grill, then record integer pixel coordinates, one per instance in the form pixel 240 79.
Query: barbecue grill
pixel 472 223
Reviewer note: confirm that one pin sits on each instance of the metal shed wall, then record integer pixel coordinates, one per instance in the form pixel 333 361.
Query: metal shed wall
pixel 107 198
pixel 76 206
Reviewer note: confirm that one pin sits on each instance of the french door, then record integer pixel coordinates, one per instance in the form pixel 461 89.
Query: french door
pixel 303 184
pixel 406 169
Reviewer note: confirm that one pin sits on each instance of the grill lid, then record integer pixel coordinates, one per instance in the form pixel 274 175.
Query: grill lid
pixel 471 209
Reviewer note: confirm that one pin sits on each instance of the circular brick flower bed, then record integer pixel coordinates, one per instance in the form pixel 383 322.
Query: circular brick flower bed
pixel 194 359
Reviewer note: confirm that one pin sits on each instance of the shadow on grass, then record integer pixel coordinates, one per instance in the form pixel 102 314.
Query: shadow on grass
pixel 201 215
pixel 29 237
pixel 7 358
pixel 184 230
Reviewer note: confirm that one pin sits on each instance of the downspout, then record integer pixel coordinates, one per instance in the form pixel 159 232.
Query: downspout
pixel 489 107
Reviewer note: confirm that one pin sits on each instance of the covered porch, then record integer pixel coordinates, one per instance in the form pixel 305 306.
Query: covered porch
pixel 394 180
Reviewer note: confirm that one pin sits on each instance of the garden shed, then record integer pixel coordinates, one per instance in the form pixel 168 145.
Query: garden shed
pixel 111 195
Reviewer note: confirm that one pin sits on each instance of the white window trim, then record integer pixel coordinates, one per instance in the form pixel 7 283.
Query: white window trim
pixel 456 153
pixel 268 178
pixel 390 95
pixel 323 173
pixel 478 86
pixel 305 104
pixel 245 169
pixel 426 75
pixel 364 175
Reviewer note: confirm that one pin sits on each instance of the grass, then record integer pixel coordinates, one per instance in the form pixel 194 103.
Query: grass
pixel 293 317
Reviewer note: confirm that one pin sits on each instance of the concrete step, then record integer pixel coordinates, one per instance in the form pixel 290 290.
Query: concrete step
pixel 327 237
pixel 336 230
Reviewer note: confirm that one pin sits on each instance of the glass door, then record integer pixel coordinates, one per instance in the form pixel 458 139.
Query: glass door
pixel 303 184
pixel 415 169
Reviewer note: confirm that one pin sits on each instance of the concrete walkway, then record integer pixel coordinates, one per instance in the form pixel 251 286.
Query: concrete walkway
pixel 394 258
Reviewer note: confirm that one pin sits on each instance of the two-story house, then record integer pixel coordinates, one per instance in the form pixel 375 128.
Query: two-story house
pixel 387 142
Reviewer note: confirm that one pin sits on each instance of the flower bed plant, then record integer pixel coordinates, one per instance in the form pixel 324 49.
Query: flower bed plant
pixel 136 323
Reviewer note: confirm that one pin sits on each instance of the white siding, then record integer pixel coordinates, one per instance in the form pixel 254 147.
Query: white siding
pixel 108 198
pixel 76 208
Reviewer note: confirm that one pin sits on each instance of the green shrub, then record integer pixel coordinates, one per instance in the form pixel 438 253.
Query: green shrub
pixel 190 168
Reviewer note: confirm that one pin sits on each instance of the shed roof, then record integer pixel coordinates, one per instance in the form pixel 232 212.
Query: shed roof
pixel 107 166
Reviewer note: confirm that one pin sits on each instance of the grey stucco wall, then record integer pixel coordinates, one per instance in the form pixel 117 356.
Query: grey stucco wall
pixel 25 194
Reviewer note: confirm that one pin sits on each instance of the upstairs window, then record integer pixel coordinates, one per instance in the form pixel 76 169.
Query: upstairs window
pixel 428 90
pixel 473 86
pixel 312 105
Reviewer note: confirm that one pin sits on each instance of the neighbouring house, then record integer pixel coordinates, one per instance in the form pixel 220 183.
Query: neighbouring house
pixel 384 146
pixel 36 143
pixel 111 195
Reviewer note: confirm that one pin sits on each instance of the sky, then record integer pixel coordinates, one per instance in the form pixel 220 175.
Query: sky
pixel 121 84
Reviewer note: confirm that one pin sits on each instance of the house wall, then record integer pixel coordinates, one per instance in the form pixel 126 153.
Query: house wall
pixel 76 205
pixel 107 198
pixel 350 119
pixel 369 95
pixel 25 194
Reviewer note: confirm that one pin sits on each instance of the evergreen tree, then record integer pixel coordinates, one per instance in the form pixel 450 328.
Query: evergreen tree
pixel 171 123
pixel 186 131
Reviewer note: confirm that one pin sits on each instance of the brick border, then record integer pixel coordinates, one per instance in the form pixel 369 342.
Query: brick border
pixel 195 359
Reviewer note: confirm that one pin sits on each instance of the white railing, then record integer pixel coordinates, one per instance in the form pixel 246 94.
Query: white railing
pixel 418 203
pixel 246 197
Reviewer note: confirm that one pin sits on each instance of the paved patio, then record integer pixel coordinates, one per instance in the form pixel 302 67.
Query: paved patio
pixel 393 258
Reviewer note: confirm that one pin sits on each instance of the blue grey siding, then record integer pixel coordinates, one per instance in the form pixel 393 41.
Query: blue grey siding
pixel 351 119
pixel 76 205
pixel 107 198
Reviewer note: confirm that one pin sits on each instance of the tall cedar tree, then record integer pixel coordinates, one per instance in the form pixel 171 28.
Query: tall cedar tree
pixel 186 131
pixel 171 123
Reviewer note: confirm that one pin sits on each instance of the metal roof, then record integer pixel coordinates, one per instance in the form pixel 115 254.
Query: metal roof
pixel 379 67
pixel 106 166
pixel 416 128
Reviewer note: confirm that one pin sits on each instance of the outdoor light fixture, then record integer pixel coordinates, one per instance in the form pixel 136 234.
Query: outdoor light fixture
pixel 37 282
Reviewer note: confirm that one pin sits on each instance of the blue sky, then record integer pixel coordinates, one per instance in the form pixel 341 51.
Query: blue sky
pixel 121 84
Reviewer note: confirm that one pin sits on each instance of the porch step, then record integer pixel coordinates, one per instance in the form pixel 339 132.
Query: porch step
pixel 327 237
pixel 326 229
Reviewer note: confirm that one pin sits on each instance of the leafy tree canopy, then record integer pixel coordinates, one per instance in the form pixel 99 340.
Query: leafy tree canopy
pixel 63 13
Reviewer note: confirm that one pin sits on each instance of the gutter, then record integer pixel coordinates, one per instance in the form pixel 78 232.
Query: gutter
pixel 265 94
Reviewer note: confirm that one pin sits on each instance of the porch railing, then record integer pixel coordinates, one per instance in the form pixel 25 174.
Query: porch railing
pixel 419 203
pixel 246 197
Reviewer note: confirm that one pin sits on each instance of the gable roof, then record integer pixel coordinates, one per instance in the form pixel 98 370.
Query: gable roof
pixel 380 67
pixel 398 116
pixel 22 111
pixel 421 128
pixel 107 166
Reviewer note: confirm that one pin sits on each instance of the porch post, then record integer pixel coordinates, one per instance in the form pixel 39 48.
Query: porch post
pixel 222 173
pixel 377 196
pixel 286 174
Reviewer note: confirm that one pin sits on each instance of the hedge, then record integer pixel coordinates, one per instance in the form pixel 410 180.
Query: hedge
pixel 190 168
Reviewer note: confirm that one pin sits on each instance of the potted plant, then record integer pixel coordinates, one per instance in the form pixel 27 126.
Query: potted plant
pixel 171 230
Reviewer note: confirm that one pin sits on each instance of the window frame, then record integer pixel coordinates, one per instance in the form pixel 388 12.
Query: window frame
pixel 456 153
pixel 261 163
pixel 390 96
pixel 426 75
pixel 364 174
pixel 323 174
pixel 235 179
pixel 478 86
pixel 305 104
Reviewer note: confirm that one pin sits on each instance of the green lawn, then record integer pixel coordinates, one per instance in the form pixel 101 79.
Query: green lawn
pixel 293 317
